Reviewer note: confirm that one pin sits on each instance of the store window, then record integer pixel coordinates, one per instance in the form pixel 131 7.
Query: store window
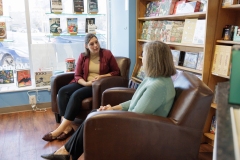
pixel 44 50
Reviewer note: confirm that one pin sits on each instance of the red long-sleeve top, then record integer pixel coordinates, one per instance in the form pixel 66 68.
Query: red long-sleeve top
pixel 108 64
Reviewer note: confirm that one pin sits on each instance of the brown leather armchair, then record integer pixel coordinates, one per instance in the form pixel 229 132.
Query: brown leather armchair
pixel 57 81
pixel 122 135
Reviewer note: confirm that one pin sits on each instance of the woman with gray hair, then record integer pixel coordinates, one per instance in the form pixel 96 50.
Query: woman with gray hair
pixel 158 67
pixel 92 65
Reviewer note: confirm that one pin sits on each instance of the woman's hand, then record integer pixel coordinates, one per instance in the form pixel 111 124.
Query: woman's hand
pixel 98 77
pixel 104 108
pixel 89 83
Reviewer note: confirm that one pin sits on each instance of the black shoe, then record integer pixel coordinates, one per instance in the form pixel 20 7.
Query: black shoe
pixel 53 156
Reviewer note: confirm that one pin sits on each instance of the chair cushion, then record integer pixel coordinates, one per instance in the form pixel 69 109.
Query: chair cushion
pixel 87 104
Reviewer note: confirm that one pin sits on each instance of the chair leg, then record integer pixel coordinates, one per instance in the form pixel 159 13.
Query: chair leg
pixel 58 118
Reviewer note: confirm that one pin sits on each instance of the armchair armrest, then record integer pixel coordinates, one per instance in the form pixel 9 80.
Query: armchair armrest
pixel 117 95
pixel 101 85
pixel 126 135
pixel 57 81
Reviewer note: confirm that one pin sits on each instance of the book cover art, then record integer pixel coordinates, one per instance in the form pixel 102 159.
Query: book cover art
pixel 190 60
pixel 72 25
pixel 54 24
pixel 144 30
pixel 6 77
pixel 177 31
pixel 176 56
pixel 43 78
pixel 140 74
pixel 200 61
pixel 199 33
pixel 154 10
pixel 24 78
pixel 92 6
pixel 236 36
pixel 188 30
pixel 78 5
pixel 148 9
pixel 213 125
pixel 56 6
pixel 177 4
pixel 1 8
pixel 3 31
pixel 166 7
pixel 89 21
pixel 188 7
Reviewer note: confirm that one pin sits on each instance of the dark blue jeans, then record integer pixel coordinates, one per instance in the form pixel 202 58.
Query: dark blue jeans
pixel 70 99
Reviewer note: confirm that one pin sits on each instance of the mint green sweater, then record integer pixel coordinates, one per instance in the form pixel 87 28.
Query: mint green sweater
pixel 153 96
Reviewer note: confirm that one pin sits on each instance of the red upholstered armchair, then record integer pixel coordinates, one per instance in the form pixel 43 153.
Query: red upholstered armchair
pixel 121 135
pixel 57 81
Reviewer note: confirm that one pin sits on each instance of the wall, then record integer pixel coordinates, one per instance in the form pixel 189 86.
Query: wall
pixel 123 38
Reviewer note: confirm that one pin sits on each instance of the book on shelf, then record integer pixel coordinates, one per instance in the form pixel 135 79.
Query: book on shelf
pixel 236 36
pixel 199 33
pixel 177 31
pixel 177 4
pixel 166 7
pixel 92 6
pixel 235 124
pixel 221 60
pixel 54 24
pixel 176 56
pixel 213 125
pixel 6 76
pixel 24 78
pixel 89 22
pixel 1 8
pixel 188 30
pixel 189 7
pixel 144 30
pixel 78 6
pixel 133 84
pixel 200 61
pixel 42 78
pixel 140 74
pixel 3 31
pixel 235 76
pixel 148 9
pixel 72 25
pixel 154 10
pixel 228 32
pixel 165 29
pixel 56 6
pixel 190 60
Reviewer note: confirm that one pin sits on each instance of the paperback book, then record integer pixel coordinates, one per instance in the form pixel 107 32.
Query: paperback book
pixel 177 31
pixel 188 30
pixel 199 33
pixel 43 78
pixel 6 77
pixel 190 60
pixel 54 24
pixel 24 78
pixel 89 22
pixel 176 56
pixel 56 6
pixel 3 31
pixel 92 6
pixel 78 6
pixel 72 25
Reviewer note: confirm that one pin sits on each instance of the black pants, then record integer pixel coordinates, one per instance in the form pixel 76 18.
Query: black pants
pixel 70 99
pixel 75 144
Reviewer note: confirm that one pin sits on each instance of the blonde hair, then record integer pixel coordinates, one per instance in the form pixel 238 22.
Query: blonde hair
pixel 88 37
pixel 159 60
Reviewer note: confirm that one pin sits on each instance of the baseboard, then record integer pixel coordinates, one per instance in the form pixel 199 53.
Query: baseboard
pixel 23 108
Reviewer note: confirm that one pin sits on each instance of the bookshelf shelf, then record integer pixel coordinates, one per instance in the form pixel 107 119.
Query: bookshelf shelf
pixel 177 44
pixel 214 105
pixel 210 136
pixel 189 69
pixel 199 15
pixel 136 79
pixel 227 42
pixel 234 6
pixel 227 77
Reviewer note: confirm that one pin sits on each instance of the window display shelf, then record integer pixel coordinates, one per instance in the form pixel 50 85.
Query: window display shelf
pixel 76 14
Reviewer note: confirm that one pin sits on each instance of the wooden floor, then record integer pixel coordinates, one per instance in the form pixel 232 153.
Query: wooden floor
pixel 21 136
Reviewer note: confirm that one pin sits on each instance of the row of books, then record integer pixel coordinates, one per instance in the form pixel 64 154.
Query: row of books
pixel 23 78
pixel 169 7
pixel 133 84
pixel 222 60
pixel 192 60
pixel 188 31
pixel 231 33
pixel 72 25
pixel 78 6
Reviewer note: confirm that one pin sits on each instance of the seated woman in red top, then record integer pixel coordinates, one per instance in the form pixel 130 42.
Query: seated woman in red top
pixel 92 65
